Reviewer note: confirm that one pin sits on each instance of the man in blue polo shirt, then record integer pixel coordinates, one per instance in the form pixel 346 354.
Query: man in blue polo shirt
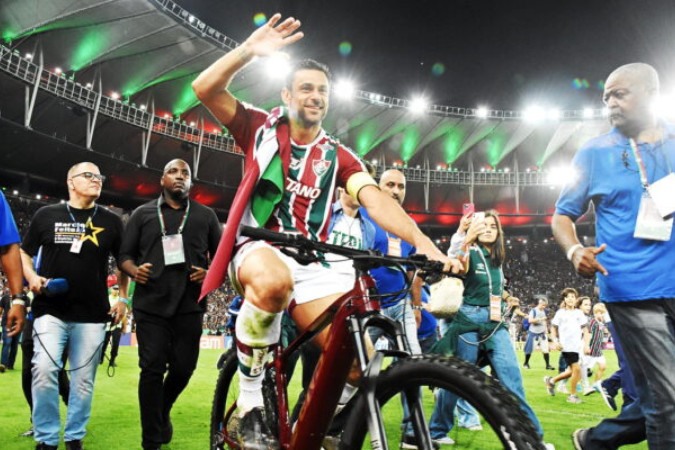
pixel 628 175
pixel 390 282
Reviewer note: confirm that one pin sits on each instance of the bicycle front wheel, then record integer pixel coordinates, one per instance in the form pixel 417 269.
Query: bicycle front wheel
pixel 504 424
pixel 221 435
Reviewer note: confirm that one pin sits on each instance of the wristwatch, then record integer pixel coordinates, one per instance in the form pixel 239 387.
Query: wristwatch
pixel 20 299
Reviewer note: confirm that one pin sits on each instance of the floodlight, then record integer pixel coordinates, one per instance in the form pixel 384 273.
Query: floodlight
pixel 114 95
pixel 481 112
pixel 142 107
pixel 277 65
pixel 344 89
pixel 560 176
pixel 29 56
pixel 418 105
pixel 58 70
pixel 588 113
pixel 533 114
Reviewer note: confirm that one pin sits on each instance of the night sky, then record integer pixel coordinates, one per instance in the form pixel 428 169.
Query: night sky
pixel 500 54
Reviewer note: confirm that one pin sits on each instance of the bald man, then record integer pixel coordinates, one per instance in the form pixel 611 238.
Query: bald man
pixel 166 249
pixel 627 174
pixel 75 240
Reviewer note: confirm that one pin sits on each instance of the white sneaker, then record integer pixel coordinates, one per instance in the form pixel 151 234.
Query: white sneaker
pixel 478 427
pixel 446 440
pixel 549 446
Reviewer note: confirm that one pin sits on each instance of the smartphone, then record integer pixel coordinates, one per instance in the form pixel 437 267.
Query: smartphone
pixel 468 209
pixel 479 216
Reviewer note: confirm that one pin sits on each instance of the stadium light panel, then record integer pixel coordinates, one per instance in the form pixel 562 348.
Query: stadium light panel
pixel 588 113
pixel 481 112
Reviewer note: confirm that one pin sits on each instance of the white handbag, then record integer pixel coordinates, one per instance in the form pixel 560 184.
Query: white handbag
pixel 445 297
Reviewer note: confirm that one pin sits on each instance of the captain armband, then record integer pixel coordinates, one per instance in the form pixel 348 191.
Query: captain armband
pixel 358 181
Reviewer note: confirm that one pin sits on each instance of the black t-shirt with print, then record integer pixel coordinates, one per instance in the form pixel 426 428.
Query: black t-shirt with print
pixel 53 228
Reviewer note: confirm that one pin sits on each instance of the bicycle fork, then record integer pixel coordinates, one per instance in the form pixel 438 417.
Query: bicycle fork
pixel 371 367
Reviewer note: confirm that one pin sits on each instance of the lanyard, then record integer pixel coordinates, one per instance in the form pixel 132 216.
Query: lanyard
pixel 161 217
pixel 70 213
pixel 642 170
pixel 640 163
pixel 487 271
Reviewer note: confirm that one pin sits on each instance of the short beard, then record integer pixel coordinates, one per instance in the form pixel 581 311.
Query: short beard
pixel 177 196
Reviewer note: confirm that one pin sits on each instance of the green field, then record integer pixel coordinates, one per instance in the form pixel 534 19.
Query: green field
pixel 115 422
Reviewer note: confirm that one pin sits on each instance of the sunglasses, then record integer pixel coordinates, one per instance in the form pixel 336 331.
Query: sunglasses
pixel 91 176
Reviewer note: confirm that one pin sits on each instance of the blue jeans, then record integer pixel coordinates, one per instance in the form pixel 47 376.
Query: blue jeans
pixel 402 312
pixel 650 325
pixel 467 416
pixel 504 362
pixel 84 341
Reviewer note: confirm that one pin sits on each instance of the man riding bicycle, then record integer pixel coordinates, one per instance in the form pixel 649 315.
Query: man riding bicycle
pixel 292 170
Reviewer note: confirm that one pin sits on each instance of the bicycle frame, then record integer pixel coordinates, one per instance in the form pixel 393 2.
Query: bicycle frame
pixel 356 310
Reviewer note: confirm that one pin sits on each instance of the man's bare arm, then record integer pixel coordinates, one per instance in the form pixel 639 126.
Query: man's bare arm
pixel 211 85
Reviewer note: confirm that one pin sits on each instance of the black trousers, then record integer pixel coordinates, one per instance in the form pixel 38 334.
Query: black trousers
pixel 112 337
pixel 168 349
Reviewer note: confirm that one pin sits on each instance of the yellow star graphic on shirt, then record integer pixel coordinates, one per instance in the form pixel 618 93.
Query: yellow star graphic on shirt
pixel 90 232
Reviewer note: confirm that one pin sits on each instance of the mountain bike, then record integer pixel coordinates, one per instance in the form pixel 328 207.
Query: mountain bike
pixel 388 379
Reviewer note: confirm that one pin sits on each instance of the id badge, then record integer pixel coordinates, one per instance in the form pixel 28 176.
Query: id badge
pixel 496 308
pixel 650 224
pixel 173 249
pixel 662 193
pixel 394 246
pixel 76 246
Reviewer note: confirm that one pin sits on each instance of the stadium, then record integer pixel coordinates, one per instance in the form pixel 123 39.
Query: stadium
pixel 111 82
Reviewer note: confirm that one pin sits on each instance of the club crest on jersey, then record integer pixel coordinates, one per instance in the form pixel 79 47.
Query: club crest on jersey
pixel 320 166
pixel 295 164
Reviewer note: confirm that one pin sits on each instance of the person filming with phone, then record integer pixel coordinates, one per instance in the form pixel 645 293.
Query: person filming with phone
pixel 479 326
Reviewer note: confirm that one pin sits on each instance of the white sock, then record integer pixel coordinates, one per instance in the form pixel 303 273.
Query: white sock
pixel 258 330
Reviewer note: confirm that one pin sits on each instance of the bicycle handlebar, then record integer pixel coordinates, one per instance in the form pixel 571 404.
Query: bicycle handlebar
pixel 306 245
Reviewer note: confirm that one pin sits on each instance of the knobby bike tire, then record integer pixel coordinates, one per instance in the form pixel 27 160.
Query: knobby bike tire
pixel 223 398
pixel 498 407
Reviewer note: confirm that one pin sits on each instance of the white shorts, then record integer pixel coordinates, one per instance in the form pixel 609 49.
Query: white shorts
pixel 591 361
pixel 310 282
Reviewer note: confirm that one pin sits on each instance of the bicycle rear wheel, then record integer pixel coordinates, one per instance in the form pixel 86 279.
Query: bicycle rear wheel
pixel 224 400
pixel 505 425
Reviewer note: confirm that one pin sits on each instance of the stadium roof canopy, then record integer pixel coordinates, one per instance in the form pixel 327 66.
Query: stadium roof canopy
pixel 109 81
